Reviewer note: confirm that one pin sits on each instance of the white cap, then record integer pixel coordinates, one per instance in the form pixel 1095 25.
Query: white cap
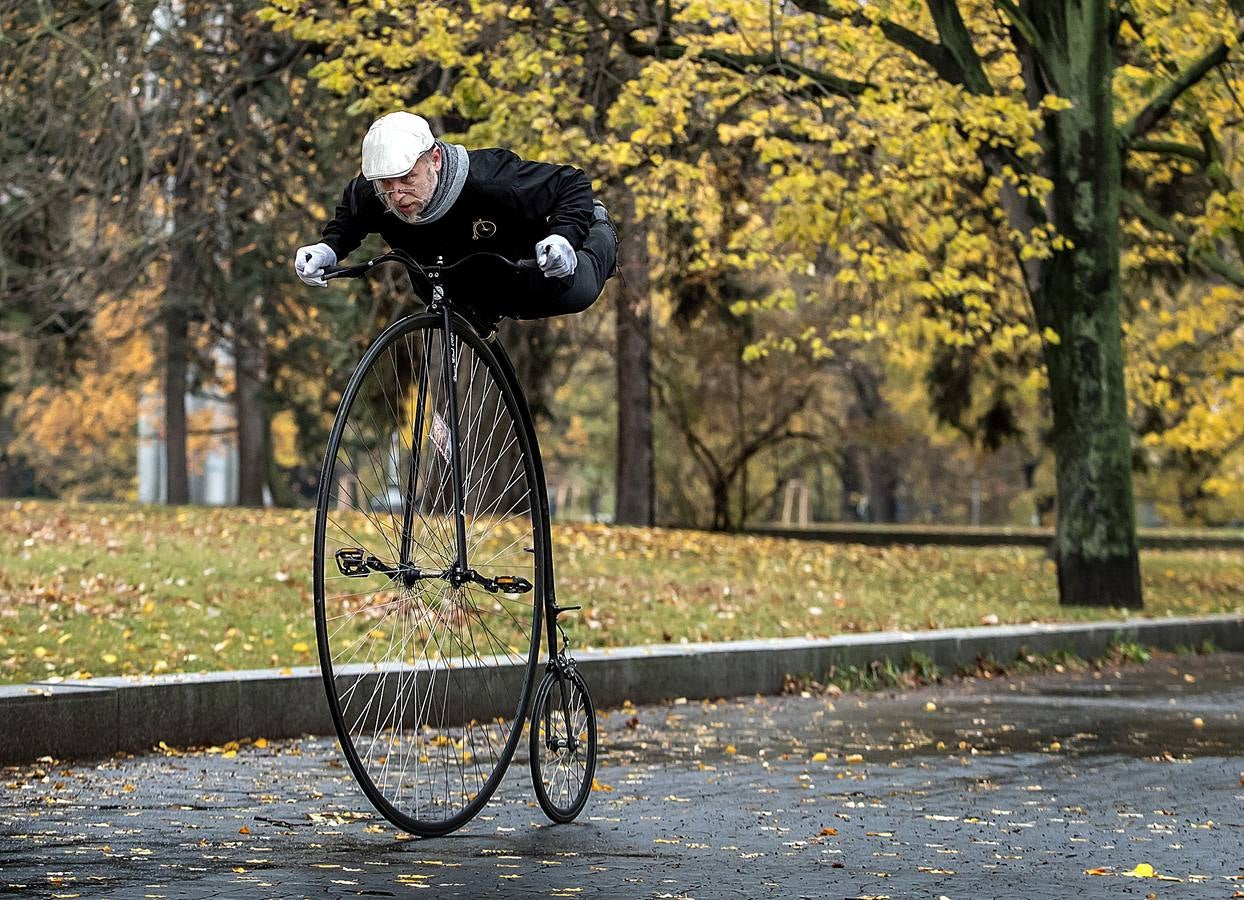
pixel 393 144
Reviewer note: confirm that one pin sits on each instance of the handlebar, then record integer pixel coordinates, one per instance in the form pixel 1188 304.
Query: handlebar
pixel 409 262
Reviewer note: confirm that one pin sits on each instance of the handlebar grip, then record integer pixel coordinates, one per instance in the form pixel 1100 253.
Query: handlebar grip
pixel 346 271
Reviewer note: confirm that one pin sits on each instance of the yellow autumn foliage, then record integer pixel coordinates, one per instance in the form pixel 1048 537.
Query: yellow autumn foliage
pixel 852 213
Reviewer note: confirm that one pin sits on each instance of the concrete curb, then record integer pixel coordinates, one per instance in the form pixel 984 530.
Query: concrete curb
pixel 983 536
pixel 102 716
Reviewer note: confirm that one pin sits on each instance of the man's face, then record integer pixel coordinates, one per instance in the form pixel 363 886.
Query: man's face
pixel 408 196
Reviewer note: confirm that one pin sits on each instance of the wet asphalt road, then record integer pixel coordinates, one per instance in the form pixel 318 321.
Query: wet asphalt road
pixel 980 788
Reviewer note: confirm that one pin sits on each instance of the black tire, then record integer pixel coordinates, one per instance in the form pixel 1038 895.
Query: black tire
pixel 561 773
pixel 428 683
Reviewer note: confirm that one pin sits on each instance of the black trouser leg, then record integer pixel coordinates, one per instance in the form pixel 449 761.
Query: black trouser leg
pixel 575 293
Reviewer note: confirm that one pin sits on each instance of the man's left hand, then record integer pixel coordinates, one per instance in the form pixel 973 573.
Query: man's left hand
pixel 556 257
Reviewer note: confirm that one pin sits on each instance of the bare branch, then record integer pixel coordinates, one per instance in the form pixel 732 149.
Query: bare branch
pixel 930 52
pixel 1160 105
pixel 1207 259
pixel 1171 148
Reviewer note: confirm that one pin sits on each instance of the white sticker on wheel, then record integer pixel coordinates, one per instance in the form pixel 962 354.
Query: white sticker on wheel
pixel 440 435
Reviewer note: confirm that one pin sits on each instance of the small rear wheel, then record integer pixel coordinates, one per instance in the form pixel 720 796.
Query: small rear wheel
pixel 563 744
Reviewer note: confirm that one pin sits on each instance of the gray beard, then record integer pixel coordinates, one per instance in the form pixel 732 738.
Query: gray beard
pixel 449 185
pixel 401 216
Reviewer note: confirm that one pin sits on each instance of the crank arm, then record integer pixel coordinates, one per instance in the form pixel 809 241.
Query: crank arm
pixel 502 584
pixel 354 562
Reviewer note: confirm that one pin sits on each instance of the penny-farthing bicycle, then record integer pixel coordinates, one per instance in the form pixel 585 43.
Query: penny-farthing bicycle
pixel 434 575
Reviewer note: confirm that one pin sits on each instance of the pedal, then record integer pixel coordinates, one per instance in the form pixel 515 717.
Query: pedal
pixel 351 562
pixel 507 584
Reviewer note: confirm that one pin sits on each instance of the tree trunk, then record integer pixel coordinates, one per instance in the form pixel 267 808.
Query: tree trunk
pixel 850 469
pixel 635 480
pixel 884 466
pixel 1076 294
pixel 533 346
pixel 8 463
pixel 283 493
pixel 176 348
pixel 252 457
pixel 720 490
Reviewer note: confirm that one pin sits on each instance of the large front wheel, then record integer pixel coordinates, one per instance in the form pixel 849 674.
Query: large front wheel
pixel 428 664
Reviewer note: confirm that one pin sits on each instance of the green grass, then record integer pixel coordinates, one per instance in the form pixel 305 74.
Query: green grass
pixel 104 589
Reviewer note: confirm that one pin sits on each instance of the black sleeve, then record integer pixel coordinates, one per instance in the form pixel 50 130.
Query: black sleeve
pixel 348 227
pixel 560 195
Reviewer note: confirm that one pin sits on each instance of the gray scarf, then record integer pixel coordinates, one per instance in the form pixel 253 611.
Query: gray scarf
pixel 453 175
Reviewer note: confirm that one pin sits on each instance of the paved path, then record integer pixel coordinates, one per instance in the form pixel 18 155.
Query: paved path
pixel 986 788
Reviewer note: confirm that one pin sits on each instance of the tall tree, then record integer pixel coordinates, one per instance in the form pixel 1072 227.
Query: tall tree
pixel 982 125
pixel 635 469
pixel 529 79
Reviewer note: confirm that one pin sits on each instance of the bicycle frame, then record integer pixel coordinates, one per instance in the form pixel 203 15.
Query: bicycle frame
pixel 441 302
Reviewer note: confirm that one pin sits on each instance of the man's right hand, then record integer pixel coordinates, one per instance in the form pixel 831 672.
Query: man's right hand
pixel 309 263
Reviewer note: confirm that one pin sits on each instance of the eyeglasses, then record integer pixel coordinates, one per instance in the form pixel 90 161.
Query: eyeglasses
pixel 410 179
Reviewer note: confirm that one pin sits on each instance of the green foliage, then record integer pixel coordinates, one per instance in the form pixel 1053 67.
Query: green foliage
pixel 1127 651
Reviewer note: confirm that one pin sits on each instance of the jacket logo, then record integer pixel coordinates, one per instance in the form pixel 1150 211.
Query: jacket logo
pixel 482 228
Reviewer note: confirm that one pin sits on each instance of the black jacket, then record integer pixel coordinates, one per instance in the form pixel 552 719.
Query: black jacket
pixel 506 206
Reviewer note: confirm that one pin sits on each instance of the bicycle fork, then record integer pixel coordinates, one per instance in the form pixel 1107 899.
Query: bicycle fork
pixel 449 356
pixel 449 366
pixel 450 352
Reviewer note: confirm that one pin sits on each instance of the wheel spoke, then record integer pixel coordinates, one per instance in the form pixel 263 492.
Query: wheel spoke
pixel 426 679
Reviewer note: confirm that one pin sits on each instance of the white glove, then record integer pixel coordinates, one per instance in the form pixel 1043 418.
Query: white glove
pixel 309 263
pixel 556 257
